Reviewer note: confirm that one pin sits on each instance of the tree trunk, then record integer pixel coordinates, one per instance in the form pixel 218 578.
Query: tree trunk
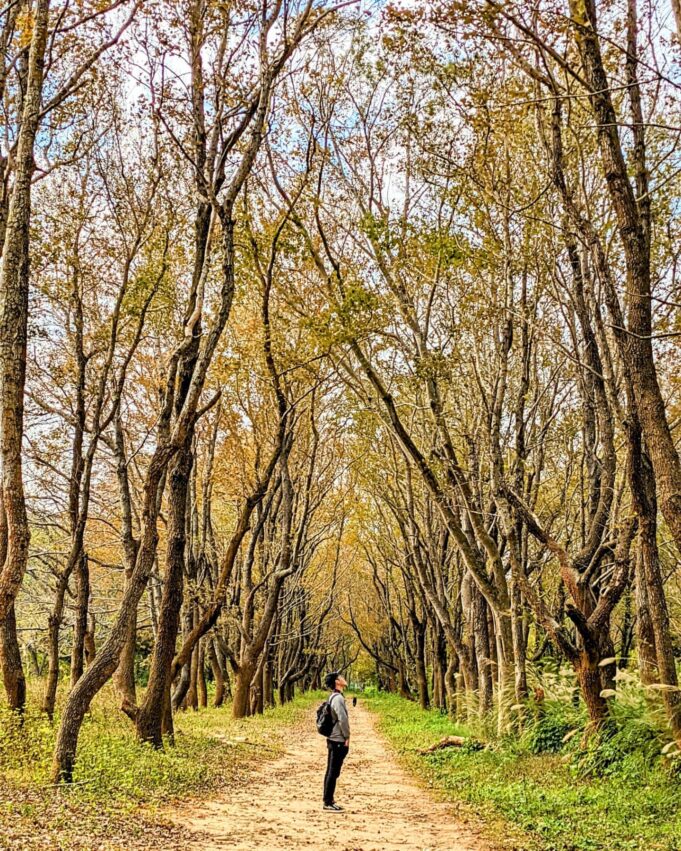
pixel 191 701
pixel 484 655
pixel 202 691
pixel 124 678
pixel 440 671
pixel 181 688
pixel 242 689
pixel 421 673
pixel 268 685
pixel 637 344
pixel 53 629
pixel 82 574
pixel 149 721
pixel 450 685
pixel 404 689
pixel 659 616
pixel 108 657
pixel 14 285
pixel 10 658
pixel 218 674
pixel 90 647
pixel 519 645
pixel 589 677
pixel 645 637
pixel 257 699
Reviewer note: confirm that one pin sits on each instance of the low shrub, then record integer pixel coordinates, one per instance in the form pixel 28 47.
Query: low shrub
pixel 544 789
pixel 547 734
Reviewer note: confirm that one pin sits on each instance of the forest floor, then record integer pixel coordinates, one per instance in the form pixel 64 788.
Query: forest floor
pixel 279 807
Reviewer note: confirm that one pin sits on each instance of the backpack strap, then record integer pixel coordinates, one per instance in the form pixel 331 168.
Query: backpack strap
pixel 331 696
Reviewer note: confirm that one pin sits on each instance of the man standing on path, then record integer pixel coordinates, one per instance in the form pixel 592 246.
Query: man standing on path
pixel 338 742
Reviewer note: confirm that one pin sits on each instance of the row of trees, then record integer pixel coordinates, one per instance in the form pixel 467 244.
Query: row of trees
pixel 524 374
pixel 163 455
pixel 337 333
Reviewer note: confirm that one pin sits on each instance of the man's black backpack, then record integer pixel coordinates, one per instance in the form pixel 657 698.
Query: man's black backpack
pixel 325 719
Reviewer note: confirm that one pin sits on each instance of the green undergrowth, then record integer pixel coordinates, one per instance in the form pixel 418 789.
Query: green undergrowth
pixel 115 776
pixel 543 789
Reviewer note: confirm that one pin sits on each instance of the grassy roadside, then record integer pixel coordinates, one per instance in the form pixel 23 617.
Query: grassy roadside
pixel 541 799
pixel 122 790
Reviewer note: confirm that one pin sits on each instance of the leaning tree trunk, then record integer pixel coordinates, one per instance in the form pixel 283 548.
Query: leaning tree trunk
pixel 108 658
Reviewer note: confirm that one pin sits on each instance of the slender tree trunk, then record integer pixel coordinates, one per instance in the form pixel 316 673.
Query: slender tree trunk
pixel 53 629
pixel 10 654
pixel 440 669
pixel 659 617
pixel 218 674
pixel 82 574
pixel 167 723
pixel 268 685
pixel 450 685
pixel 645 637
pixel 192 698
pixel 124 678
pixel 149 720
pixel 202 691
pixel 181 687
pixel 184 680
pixel 484 655
pixel 519 645
pixel 12 669
pixel 257 702
pixel 421 674
pixel 14 286
pixel 403 682
pixel 90 646
pixel 37 666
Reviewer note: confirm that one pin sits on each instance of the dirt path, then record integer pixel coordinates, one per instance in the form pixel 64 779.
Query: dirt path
pixel 280 807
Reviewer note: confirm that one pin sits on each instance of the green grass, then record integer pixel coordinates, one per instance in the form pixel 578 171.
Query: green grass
pixel 542 798
pixel 122 789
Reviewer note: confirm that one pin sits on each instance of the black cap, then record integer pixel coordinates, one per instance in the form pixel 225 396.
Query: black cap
pixel 330 679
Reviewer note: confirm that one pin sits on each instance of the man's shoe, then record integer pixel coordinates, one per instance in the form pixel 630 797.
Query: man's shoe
pixel 334 808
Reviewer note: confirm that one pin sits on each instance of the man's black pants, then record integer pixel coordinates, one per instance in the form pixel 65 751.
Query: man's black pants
pixel 337 753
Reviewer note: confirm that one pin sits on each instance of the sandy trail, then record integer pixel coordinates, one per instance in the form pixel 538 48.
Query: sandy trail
pixel 280 806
